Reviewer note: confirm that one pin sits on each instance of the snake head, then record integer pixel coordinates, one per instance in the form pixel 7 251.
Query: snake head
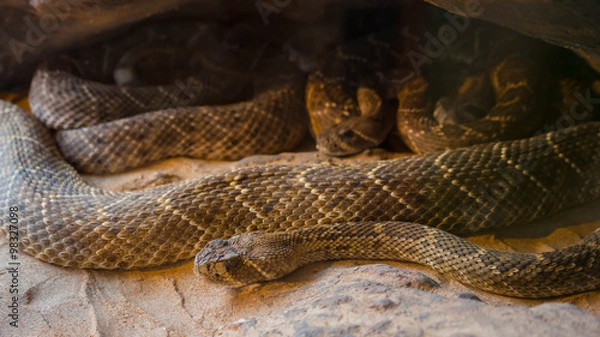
pixel 214 262
pixel 356 133
pixel 350 137
pixel 245 259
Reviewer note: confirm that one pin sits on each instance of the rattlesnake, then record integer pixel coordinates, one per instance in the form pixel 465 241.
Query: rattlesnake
pixel 319 211
pixel 63 220
pixel 104 128
pixel 489 84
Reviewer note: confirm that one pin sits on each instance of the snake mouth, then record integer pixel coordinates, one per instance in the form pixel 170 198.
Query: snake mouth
pixel 352 136
pixel 339 144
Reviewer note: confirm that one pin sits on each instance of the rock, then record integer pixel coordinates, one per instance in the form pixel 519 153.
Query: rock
pixel 31 30
pixel 35 29
pixel 566 24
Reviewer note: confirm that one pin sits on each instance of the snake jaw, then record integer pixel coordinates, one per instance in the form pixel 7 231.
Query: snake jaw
pixel 351 136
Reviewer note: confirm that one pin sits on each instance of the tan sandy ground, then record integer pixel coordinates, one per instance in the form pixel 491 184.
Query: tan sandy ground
pixel 346 298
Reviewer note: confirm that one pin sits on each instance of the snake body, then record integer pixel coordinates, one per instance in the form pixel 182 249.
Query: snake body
pixel 63 220
pixel 257 257
pixel 490 84
pixel 107 128
pixel 347 94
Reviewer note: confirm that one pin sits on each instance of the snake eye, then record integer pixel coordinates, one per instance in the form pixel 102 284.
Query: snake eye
pixel 232 263
pixel 347 135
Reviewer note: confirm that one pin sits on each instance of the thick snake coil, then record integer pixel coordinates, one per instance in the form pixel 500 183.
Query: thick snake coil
pixel 63 220
pixel 491 84
pixel 106 128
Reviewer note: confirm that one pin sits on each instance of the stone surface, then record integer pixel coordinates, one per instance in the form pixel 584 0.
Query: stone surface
pixel 31 30
pixel 571 24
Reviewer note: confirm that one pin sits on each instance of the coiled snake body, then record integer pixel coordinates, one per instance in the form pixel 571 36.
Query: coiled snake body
pixel 68 222
pixel 106 128
pixel 490 84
